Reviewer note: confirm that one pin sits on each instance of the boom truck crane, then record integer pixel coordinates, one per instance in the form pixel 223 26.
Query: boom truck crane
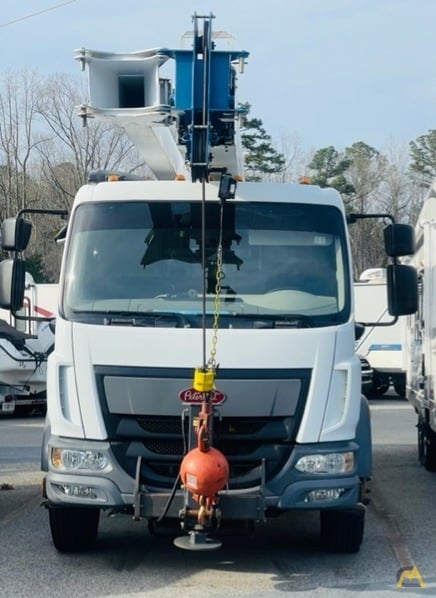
pixel 204 366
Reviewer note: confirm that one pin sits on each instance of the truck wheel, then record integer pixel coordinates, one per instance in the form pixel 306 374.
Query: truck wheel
pixel 379 385
pixel 399 383
pixel 73 529
pixel 426 445
pixel 342 531
pixel 400 389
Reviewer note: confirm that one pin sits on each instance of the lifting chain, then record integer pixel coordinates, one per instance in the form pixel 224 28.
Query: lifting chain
pixel 204 377
pixel 212 364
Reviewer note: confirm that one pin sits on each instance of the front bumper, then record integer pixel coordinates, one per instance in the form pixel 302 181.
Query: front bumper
pixel 289 489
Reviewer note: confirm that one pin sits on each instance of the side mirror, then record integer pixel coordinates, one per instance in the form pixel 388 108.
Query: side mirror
pixel 15 234
pixel 12 284
pixel 399 240
pixel 402 289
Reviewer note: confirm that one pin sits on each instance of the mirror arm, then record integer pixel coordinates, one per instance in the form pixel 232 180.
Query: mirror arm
pixel 353 217
pixel 59 212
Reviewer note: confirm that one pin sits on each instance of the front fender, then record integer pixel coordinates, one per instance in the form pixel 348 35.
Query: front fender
pixel 44 445
pixel 364 440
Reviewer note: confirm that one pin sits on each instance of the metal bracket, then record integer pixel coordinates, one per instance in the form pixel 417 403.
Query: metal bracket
pixel 137 492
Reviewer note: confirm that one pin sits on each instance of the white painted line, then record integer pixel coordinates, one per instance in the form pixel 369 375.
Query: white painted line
pixel 390 407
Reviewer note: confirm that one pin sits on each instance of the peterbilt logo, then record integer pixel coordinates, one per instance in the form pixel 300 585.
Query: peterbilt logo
pixel 193 397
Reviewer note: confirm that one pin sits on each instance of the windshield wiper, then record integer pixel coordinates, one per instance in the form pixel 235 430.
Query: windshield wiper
pixel 278 320
pixel 176 319
pixel 157 319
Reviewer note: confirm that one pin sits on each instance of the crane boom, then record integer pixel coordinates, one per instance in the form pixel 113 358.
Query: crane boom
pixel 185 127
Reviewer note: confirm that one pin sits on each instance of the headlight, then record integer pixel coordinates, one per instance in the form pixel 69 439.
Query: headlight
pixel 329 463
pixel 70 460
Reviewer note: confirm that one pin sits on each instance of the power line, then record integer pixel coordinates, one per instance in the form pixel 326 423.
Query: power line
pixel 35 14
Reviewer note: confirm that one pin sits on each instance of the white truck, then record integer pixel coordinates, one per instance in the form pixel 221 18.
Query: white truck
pixel 381 342
pixel 420 334
pixel 204 365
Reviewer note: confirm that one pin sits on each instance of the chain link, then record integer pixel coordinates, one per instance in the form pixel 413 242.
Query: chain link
pixel 219 275
pixel 212 364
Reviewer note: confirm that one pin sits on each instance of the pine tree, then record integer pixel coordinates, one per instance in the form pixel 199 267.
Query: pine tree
pixel 261 158
pixel 423 158
pixel 330 170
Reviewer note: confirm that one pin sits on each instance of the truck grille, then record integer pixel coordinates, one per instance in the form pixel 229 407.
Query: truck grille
pixel 162 439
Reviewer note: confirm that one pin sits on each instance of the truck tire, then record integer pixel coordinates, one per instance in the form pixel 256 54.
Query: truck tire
pixel 399 383
pixel 342 530
pixel 426 445
pixel 380 385
pixel 73 529
pixel 400 389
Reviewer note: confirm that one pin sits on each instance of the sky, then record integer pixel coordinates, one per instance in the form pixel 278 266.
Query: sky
pixel 329 72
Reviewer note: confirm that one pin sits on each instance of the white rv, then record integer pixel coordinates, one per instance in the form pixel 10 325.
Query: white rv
pixel 420 342
pixel 381 341
pixel 26 339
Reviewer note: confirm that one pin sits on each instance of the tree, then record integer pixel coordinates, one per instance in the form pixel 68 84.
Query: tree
pixel 401 194
pixel 423 158
pixel 329 170
pixel 261 159
pixel 67 154
pixel 35 265
pixel 46 155
pixel 18 122
pixel 296 158
pixel 365 173
pixel 72 150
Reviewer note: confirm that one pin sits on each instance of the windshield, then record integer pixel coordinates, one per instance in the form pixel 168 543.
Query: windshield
pixel 152 263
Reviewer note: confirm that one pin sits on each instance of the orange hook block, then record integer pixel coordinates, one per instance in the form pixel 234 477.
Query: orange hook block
pixel 204 473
